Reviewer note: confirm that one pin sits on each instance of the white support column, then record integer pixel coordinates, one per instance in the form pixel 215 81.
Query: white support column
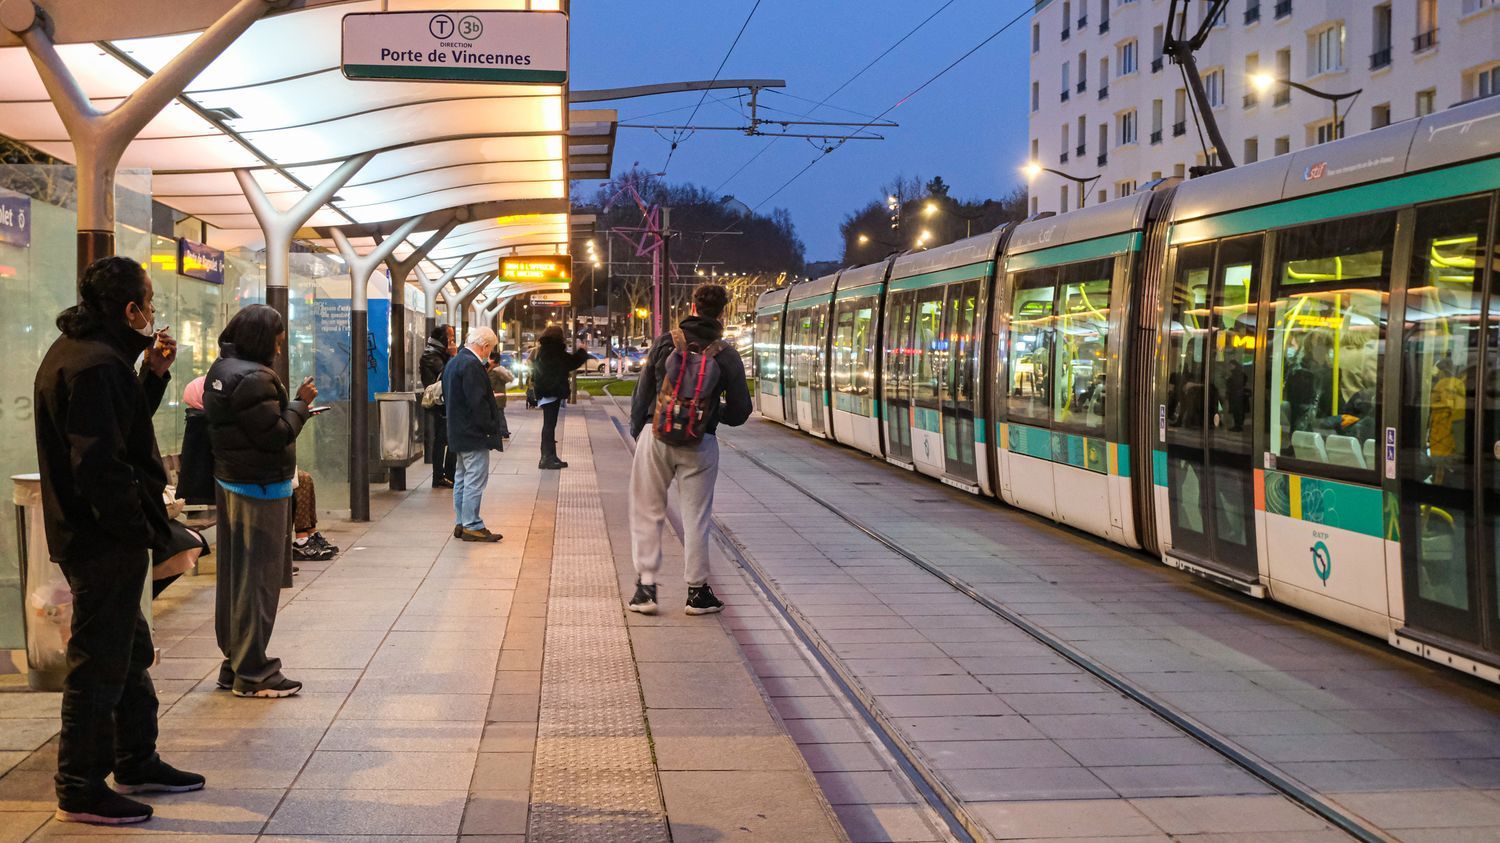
pixel 431 289
pixel 458 306
pixel 400 271
pixel 361 267
pixel 279 227
pixel 100 137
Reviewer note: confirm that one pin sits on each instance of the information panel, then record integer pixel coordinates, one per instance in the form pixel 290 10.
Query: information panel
pixel 537 268
pixel 196 260
pixel 15 219
pixel 457 46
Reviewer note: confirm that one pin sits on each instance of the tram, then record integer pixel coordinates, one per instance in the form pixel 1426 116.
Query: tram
pixel 1283 377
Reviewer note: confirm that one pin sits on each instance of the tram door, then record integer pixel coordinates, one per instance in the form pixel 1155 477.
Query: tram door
pixel 817 364
pixel 791 366
pixel 897 374
pixel 959 383
pixel 1450 429
pixel 1210 412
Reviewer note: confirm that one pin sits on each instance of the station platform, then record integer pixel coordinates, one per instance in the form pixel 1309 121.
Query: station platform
pixel 846 693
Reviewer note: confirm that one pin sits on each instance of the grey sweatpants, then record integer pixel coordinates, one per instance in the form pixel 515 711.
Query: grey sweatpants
pixel 255 563
pixel 651 475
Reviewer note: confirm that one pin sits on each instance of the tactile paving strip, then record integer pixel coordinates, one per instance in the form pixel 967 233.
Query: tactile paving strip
pixel 593 778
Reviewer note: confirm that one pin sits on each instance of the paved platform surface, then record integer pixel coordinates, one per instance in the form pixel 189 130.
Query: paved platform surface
pixel 459 690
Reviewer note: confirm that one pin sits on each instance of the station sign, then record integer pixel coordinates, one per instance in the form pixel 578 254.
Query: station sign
pixel 535 268
pixel 457 46
pixel 15 219
pixel 196 260
pixel 551 299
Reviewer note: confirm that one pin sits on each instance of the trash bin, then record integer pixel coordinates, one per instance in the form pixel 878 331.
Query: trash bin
pixel 46 599
pixel 400 436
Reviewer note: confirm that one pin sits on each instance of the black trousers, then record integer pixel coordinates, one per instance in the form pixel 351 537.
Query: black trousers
pixel 109 704
pixel 444 461
pixel 549 428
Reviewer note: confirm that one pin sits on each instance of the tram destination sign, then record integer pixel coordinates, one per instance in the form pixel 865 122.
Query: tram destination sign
pixel 15 219
pixel 457 46
pixel 196 260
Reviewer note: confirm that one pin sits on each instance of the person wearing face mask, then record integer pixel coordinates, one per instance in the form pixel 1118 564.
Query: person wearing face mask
pixel 102 484
pixel 253 426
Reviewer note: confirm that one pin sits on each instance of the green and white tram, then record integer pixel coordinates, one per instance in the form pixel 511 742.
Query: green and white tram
pixel 1284 377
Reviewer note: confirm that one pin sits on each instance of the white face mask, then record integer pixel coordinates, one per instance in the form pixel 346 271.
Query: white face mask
pixel 146 330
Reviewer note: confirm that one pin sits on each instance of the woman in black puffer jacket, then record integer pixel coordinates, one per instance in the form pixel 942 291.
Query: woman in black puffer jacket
pixel 553 362
pixel 253 427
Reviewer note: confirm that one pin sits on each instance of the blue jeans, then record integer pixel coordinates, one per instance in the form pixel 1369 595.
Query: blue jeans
pixel 468 487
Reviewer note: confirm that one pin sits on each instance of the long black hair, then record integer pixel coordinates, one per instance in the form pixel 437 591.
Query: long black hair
pixel 252 332
pixel 107 286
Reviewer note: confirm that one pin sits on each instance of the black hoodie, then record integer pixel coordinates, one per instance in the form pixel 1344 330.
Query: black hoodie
pixel 102 476
pixel 736 405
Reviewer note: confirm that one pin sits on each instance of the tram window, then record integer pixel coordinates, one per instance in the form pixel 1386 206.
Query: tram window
pixel 962 342
pixel 862 349
pixel 930 353
pixel 1440 355
pixel 1031 344
pixel 768 350
pixel 1188 337
pixel 1082 344
pixel 843 349
pixel 1328 325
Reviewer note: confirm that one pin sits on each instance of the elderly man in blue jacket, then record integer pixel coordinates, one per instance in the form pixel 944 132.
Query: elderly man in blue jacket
pixel 473 430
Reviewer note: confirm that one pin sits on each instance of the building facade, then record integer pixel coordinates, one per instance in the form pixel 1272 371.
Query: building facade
pixel 1105 102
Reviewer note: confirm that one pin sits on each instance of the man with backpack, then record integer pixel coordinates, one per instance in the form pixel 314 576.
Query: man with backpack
pixel 692 381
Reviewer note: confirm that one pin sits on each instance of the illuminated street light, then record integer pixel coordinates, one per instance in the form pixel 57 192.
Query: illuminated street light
pixel 1032 169
pixel 864 238
pixel 930 209
pixel 1264 82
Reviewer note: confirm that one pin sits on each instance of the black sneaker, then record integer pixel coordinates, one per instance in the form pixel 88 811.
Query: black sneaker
pixel 322 541
pixel 159 777
pixel 701 600
pixel 309 552
pixel 644 600
pixel 109 809
pixel 274 691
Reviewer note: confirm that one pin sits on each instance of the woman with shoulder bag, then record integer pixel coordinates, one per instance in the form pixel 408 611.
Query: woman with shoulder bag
pixel 553 363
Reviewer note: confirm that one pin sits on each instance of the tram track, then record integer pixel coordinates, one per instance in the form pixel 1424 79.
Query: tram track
pixel 923 778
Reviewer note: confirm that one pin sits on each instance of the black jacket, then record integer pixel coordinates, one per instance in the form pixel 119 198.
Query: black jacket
pixel 195 469
pixel 434 358
pixel 102 477
pixel 553 361
pixel 473 417
pixel 735 393
pixel 251 423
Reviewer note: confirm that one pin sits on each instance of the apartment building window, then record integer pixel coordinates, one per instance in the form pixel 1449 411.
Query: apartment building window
pixel 1179 170
pixel 1103 157
pixel 1067 17
pixel 1035 150
pixel 1252 66
pixel 1380 115
pixel 1034 202
pixel 1179 113
pixel 1036 96
pixel 1064 156
pixel 1103 16
pixel 1062 198
pixel 1252 12
pixel 1157 58
pixel 1083 70
pixel 1252 150
pixel 1213 85
pixel 1126 56
pixel 1222 19
pixel 1426 37
pixel 1066 73
pixel 1326 131
pixel 1036 38
pixel 1126 132
pixel 1325 50
pixel 1103 196
pixel 1156 114
pixel 1126 2
pixel 1283 94
pixel 1124 188
pixel 1487 82
pixel 1155 175
pixel 1380 26
pixel 1082 136
pixel 1426 102
pixel 1472 6
pixel 1283 9
pixel 1104 78
pixel 1281 145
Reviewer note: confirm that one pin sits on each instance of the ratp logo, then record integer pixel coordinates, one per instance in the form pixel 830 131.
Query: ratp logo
pixel 1316 171
pixel 1322 562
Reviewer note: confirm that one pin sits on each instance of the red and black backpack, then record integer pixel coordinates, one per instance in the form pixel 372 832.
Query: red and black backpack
pixel 682 401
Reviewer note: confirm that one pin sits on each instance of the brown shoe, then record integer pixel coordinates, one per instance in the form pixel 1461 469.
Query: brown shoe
pixel 481 535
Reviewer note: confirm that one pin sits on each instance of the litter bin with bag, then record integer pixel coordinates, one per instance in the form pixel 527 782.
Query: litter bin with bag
pixel 47 602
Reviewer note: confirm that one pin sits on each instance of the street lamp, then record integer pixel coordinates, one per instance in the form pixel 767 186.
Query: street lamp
pixel 863 239
pixel 1033 169
pixel 1264 82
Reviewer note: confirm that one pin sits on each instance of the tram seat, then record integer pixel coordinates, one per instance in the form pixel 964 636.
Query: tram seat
pixel 1345 451
pixel 1369 453
pixel 1307 445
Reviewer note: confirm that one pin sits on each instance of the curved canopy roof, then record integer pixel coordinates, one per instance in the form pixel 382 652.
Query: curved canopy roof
pixel 276 103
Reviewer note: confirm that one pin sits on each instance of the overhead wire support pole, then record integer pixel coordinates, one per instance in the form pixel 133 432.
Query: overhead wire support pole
pixel 1182 51
pixel 100 137
pixel 361 268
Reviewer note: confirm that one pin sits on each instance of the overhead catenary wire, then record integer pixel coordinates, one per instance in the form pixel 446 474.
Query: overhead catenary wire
pixel 722 62
pixel 898 103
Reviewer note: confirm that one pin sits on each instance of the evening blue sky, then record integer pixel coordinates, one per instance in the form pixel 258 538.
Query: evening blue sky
pixel 969 127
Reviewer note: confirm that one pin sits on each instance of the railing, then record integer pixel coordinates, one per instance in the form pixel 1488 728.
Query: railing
pixel 1082 148
pixel 1179 128
pixel 1083 21
pixel 1281 98
pixel 1103 92
pixel 1156 137
pixel 1252 99
pixel 1156 64
pixel 1252 14
pixel 1103 26
pixel 1063 158
pixel 1083 85
pixel 1380 58
pixel 1102 159
pixel 1283 8
pixel 1066 33
pixel 1425 41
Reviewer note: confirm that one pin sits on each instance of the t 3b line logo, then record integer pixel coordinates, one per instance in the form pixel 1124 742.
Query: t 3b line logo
pixel 1322 562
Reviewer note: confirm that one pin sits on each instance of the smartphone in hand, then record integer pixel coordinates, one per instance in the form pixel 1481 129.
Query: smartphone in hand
pixel 313 411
